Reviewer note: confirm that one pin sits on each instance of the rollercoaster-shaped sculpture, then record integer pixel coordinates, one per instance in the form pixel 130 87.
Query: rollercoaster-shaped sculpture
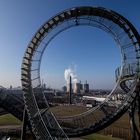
pixel 43 122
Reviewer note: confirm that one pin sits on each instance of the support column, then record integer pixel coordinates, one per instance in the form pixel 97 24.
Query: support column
pixel 70 91
pixel 138 102
pixel 24 127
pixel 135 134
pixel 132 121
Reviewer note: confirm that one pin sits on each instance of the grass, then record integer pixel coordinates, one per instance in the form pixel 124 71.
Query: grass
pixel 9 119
pixel 68 110
pixel 99 137
pixel 120 128
pixel 122 123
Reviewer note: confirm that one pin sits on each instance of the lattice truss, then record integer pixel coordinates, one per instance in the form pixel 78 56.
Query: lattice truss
pixel 44 123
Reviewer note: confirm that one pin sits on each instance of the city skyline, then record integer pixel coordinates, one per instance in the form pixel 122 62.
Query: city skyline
pixel 19 23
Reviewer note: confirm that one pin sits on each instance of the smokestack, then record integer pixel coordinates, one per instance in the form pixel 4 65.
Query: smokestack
pixel 70 91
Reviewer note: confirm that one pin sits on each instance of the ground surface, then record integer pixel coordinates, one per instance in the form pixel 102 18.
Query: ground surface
pixel 8 121
pixel 120 128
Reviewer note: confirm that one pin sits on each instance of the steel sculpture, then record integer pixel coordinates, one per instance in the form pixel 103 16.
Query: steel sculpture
pixel 43 122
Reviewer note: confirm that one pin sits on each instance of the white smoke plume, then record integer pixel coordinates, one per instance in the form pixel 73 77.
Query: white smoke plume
pixel 70 72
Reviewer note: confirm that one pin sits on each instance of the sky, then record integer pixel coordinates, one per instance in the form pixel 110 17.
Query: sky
pixel 19 20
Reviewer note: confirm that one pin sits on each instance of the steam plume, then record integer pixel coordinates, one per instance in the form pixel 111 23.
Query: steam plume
pixel 70 72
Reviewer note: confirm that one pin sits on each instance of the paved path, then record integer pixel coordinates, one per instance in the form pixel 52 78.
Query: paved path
pixel 76 139
pixel 10 127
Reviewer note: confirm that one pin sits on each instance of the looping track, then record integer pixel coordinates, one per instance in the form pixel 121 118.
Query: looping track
pixel 127 38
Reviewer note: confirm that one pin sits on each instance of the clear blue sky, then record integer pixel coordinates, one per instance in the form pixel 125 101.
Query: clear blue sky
pixel 20 19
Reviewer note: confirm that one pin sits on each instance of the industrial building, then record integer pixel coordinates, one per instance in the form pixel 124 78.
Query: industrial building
pixel 86 87
pixel 78 87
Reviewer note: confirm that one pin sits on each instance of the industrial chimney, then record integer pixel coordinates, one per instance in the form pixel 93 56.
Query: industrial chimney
pixel 70 91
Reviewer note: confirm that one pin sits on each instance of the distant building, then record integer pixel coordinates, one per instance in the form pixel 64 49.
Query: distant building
pixel 81 86
pixel 86 87
pixel 11 87
pixel 78 87
pixel 64 88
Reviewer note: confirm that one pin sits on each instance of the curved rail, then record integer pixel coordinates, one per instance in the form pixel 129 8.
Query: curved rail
pixel 126 78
